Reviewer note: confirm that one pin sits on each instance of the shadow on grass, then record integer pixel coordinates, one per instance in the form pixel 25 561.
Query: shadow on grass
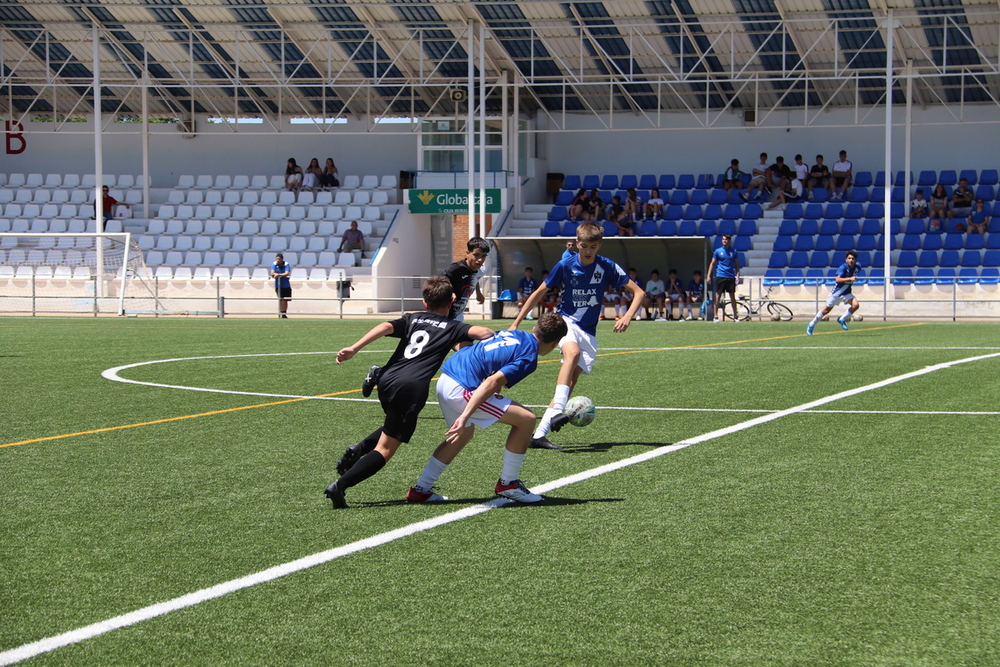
pixel 548 501
pixel 606 446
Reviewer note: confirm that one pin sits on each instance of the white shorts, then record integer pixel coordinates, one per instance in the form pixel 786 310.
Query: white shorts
pixel 836 300
pixel 453 397
pixel 586 342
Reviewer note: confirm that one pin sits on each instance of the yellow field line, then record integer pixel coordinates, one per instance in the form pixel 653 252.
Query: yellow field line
pixel 351 391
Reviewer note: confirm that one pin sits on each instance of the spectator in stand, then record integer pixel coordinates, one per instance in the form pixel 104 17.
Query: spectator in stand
pixel 791 192
pixel 312 177
pixel 633 207
pixel 109 205
pixel 654 297
pixel 918 206
pixel 293 176
pixel 695 295
pixel 819 176
pixel 595 206
pixel 961 200
pixel 731 177
pixel 525 287
pixel 780 175
pixel 617 215
pixel 800 170
pixel 579 208
pixel 979 219
pixel 842 176
pixel 353 239
pixel 551 298
pixel 761 178
pixel 627 294
pixel 329 179
pixel 674 295
pixel 939 203
pixel 654 205
pixel 611 297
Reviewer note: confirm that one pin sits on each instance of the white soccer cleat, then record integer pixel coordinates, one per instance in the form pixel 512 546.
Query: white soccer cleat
pixel 517 491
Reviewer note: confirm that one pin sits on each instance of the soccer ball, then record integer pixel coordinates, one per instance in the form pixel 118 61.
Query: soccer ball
pixel 580 410
pixel 858 318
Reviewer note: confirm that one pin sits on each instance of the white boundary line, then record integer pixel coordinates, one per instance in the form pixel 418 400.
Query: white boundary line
pixel 87 632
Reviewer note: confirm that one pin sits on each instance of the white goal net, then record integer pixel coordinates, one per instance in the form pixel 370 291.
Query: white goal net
pixel 98 273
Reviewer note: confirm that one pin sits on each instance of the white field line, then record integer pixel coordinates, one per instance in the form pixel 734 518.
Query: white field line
pixel 87 632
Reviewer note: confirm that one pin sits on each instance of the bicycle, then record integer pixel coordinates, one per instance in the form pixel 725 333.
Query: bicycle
pixel 747 307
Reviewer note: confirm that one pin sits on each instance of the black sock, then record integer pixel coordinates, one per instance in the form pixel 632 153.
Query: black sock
pixel 369 464
pixel 369 443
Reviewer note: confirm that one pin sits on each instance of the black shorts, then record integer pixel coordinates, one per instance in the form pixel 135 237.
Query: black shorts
pixel 402 403
pixel 727 285
pixel 284 293
pixel 839 180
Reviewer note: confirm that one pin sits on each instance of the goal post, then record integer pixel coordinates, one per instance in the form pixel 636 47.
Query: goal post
pixel 91 273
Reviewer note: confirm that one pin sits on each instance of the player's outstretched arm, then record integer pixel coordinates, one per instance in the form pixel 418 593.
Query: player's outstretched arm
pixel 375 333
pixel 529 305
pixel 491 385
pixel 480 333
pixel 637 299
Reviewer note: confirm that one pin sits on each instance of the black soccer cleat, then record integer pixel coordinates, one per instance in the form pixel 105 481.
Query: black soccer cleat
pixel 542 443
pixel 558 422
pixel 336 494
pixel 350 457
pixel 370 380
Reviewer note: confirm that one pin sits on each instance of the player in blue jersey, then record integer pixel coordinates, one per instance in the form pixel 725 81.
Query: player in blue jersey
pixel 726 265
pixel 846 275
pixel 584 276
pixel 469 395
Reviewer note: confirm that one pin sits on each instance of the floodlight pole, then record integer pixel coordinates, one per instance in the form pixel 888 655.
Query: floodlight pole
pixel 887 221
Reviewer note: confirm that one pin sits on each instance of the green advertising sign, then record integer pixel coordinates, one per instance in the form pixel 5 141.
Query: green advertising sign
pixel 451 201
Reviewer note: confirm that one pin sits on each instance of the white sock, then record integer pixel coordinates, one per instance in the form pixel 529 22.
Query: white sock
pixel 558 403
pixel 430 475
pixel 818 317
pixel 846 317
pixel 511 466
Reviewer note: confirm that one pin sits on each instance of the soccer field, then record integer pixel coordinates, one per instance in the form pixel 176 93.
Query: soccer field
pixel 747 495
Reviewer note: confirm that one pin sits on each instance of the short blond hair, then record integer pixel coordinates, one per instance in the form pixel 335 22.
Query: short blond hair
pixel 589 232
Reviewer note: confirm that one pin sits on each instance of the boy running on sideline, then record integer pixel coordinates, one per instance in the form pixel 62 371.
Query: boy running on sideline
pixel 584 276
pixel 469 394
pixel 425 340
pixel 846 275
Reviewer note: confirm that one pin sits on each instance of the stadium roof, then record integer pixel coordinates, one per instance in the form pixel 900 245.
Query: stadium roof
pixel 313 58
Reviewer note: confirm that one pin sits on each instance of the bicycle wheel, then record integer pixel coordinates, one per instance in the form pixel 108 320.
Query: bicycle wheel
pixel 742 310
pixel 779 311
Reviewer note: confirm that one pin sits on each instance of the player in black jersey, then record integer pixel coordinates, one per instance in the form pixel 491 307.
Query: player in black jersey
pixel 404 382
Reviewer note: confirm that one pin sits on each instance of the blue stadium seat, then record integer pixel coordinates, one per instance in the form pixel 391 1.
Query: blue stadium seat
pixel 949 259
pixel 734 197
pixel 743 243
pixel 707 228
pixel 875 210
pixel 896 211
pixel 699 197
pixel 747 228
pixel 972 258
pixel 990 276
pixel 880 179
pixel 931 242
pixel 927 259
pixel 794 277
pixel 629 181
pixel 783 243
pixel 975 242
pixel 844 243
pixel 863 179
pixel 911 242
pixel 753 212
pixel 968 276
pixel 687 228
pixel 685 182
pixel 971 175
pixel 667 182
pixel 854 210
pixel 876 277
pixel 803 243
pixel 720 197
pixel 829 227
pixel 901 179
pixel 610 229
pixel 988 177
pixel 727 227
pixel 878 259
pixel 839 257
pixel 798 260
pixel 858 195
pixel 668 228
pixel 907 259
pixel 948 177
pixel 954 241
pixel 833 211
pixel 788 228
pixel 927 179
pixel 819 260
pixel 914 226
pixel 810 227
pixel 793 211
pixel 551 228
pixel 772 277
pixel 986 193
pixel 557 213
pixel 815 277
pixel 591 181
pixel 679 197
pixel 778 260
pixel 813 211
pixel 647 182
pixel 712 212
pixel 850 226
pixel 609 182
pixel 923 276
pixel 569 228
pixel 732 212
pixel 672 212
pixel 692 212
pixel 605 196
pixel 571 182
pixel 648 228
pixel 897 194
pixel 864 259
pixel 880 243
pixel 951 226
pixel 705 182
pixel 903 277
pixel 565 197
pixel 820 195
pixel 866 242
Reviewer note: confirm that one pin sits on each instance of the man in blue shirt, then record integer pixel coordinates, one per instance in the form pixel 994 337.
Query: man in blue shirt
pixel 282 286
pixel 726 264
pixel 469 395
pixel 584 276
pixel 525 287
pixel 846 275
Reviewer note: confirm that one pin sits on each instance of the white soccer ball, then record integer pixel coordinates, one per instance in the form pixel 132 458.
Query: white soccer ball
pixel 858 318
pixel 580 410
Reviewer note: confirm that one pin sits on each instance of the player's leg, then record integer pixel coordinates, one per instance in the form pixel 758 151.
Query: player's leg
pixel 369 464
pixel 852 305
pixel 823 312
pixel 354 453
pixel 521 420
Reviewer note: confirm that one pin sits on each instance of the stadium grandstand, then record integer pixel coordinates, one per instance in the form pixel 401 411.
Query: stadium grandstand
pixel 189 112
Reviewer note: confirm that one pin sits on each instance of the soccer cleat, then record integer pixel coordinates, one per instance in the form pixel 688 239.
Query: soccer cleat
pixel 744 197
pixel 416 496
pixel 842 323
pixel 809 329
pixel 350 457
pixel 336 494
pixel 370 380
pixel 543 443
pixel 515 490
pixel 558 422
